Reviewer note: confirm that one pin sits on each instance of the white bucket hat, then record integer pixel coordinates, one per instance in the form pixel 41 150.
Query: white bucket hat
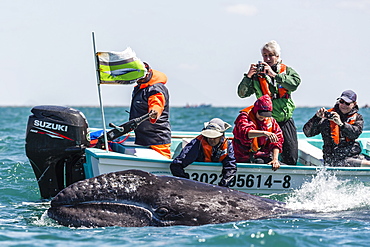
pixel 215 128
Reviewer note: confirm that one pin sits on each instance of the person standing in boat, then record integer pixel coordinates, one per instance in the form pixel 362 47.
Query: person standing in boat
pixel 339 127
pixel 210 146
pixel 151 95
pixel 257 135
pixel 277 80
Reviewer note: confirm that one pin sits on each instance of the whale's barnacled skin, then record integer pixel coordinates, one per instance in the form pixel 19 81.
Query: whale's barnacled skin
pixel 136 198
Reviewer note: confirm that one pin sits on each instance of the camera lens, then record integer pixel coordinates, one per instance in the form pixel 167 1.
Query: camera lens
pixel 260 67
pixel 328 114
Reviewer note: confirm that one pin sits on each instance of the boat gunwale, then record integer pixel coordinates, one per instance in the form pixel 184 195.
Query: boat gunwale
pixel 114 155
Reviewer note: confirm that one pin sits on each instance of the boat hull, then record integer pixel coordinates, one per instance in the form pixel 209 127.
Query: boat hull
pixel 250 178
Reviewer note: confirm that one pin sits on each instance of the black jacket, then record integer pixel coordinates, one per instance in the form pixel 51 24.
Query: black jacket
pixel 193 151
pixel 146 133
pixel 334 154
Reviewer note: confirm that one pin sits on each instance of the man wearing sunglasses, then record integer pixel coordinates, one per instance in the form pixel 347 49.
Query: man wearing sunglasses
pixel 339 127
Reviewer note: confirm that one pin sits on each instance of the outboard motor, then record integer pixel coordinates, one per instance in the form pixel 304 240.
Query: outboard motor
pixel 56 140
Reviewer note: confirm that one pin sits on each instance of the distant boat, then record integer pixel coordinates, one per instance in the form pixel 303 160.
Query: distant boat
pixel 198 106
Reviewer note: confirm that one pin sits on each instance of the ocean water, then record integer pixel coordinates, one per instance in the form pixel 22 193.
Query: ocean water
pixel 328 212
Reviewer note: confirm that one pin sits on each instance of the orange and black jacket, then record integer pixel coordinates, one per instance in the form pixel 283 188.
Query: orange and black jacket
pixel 196 150
pixel 152 94
pixel 339 142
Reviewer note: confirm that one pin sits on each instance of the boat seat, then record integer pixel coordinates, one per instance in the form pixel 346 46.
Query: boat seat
pixel 309 154
pixel 367 149
pixel 143 152
pixel 180 146
pixel 365 145
pixel 136 150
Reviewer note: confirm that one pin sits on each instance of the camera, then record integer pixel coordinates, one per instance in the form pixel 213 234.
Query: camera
pixel 328 115
pixel 260 67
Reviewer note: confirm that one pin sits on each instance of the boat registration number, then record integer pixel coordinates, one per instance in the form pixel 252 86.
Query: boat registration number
pixel 245 180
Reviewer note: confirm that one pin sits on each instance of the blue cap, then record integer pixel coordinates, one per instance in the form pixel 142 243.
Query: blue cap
pixel 348 96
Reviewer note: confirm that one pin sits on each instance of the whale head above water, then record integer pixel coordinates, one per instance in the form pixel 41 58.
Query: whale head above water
pixel 135 198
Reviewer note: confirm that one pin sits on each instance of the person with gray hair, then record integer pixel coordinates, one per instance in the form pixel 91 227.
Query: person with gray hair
pixel 277 80
pixel 210 146
pixel 272 46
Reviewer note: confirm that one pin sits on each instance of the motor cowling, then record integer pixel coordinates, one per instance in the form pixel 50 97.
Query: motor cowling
pixel 56 139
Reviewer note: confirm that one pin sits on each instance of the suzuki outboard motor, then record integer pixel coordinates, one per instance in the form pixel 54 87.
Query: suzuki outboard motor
pixel 56 140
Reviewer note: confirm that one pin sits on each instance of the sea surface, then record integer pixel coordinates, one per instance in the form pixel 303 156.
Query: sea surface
pixel 337 213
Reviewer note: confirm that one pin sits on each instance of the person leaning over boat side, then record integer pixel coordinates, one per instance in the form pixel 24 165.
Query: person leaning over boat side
pixel 274 78
pixel 257 136
pixel 339 127
pixel 151 95
pixel 210 146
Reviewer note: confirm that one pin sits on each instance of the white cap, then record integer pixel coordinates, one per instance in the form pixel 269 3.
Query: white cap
pixel 215 128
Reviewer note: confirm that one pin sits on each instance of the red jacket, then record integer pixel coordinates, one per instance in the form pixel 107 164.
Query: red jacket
pixel 243 145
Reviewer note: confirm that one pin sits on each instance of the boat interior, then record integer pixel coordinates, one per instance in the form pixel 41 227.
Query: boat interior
pixel 309 149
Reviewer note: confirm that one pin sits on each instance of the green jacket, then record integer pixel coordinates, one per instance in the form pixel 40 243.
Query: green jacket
pixel 282 107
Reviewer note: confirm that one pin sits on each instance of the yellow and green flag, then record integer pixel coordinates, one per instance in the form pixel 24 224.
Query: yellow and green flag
pixel 120 67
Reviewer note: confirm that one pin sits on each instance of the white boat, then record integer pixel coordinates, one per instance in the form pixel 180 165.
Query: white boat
pixel 250 178
pixel 57 145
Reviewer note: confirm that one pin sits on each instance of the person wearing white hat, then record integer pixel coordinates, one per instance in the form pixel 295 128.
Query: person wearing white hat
pixel 210 146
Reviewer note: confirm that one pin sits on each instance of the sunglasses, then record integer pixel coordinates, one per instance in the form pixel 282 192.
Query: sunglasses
pixel 343 102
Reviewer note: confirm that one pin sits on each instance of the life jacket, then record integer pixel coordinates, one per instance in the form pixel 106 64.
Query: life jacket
pixel 255 146
pixel 282 92
pixel 335 130
pixel 207 150
pixel 148 134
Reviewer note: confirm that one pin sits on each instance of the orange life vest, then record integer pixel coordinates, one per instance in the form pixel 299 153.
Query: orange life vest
pixel 335 130
pixel 255 146
pixel 283 93
pixel 207 149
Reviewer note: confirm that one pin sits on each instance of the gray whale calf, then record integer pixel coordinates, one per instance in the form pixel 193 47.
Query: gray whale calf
pixel 135 198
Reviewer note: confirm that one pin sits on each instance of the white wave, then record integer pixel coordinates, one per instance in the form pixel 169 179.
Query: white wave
pixel 326 193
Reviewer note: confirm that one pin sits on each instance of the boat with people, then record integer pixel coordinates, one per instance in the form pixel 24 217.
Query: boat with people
pixel 59 148
pixel 61 152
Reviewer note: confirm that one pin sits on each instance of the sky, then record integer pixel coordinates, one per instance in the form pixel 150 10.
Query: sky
pixel 204 47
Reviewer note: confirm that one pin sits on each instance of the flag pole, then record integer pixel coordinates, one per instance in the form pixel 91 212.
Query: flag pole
pixel 99 92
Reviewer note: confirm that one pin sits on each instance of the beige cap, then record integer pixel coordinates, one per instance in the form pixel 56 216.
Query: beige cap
pixel 215 128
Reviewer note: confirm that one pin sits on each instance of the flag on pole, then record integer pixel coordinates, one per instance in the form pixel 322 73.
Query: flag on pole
pixel 120 67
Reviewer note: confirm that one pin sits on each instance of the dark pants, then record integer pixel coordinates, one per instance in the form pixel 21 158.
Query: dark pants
pixel 290 146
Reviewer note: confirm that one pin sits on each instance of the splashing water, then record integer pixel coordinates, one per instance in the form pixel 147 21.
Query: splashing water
pixel 326 193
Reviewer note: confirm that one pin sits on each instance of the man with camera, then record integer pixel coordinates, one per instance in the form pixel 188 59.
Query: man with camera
pixel 339 127
pixel 277 80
